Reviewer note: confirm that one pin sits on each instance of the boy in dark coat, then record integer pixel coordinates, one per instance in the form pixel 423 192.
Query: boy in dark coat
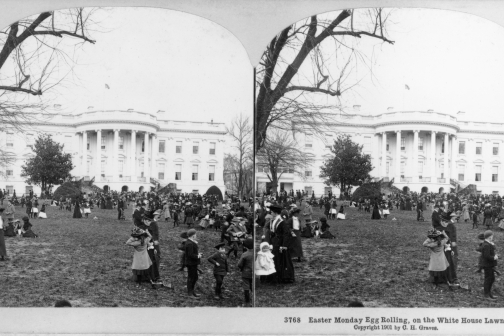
pixel 192 260
pixel 245 264
pixel 489 262
pixel 219 260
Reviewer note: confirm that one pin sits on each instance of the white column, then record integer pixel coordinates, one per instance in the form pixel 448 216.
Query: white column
pixel 77 148
pixel 398 157
pixel 454 153
pixel 155 149
pixel 146 159
pixel 133 161
pixel 415 157
pixel 446 157
pixel 84 153
pixel 433 157
pixel 384 155
pixel 98 156
pixel 115 157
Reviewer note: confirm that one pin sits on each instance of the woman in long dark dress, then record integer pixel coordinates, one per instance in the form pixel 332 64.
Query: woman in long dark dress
pixel 279 236
pixel 77 213
pixel 452 254
pixel 376 211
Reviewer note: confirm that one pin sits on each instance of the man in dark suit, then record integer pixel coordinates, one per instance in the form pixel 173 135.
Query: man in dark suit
pixel 436 217
pixel 192 260
pixel 137 216
pixel 489 261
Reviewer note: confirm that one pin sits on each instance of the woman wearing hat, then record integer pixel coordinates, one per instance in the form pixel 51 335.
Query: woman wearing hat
pixel 279 237
pixel 295 245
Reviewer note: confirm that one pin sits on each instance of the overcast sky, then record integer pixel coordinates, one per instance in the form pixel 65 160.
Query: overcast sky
pixel 451 62
pixel 157 59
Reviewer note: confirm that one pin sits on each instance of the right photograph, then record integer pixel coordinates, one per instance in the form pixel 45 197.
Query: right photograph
pixel 379 174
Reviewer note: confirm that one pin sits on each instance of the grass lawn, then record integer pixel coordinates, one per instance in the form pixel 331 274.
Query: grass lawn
pixel 87 262
pixel 381 263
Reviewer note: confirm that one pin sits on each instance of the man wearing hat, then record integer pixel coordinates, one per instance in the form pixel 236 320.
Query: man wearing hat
pixel 219 260
pixel 192 260
pixel 436 217
pixel 489 261
pixel 245 264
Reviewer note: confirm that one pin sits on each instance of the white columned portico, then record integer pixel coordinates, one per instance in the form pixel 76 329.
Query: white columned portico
pixel 115 158
pixel 154 156
pixel 446 159
pixel 415 157
pixel 133 157
pixel 433 157
pixel 384 155
pixel 84 153
pixel 398 157
pixel 454 153
pixel 98 156
pixel 146 158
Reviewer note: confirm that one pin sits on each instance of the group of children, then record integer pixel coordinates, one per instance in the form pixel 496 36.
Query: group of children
pixel 190 259
pixel 16 228
pixel 438 243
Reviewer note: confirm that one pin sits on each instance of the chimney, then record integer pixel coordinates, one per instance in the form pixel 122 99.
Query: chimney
pixel 431 110
pixel 460 113
pixel 356 108
pixel 211 121
pixel 160 111
pixel 90 107
pixel 390 109
pixel 130 109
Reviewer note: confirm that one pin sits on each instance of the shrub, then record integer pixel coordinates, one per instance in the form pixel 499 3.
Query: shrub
pixel 68 189
pixel 370 190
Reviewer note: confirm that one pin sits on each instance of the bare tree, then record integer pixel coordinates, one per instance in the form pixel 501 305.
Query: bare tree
pixel 281 154
pixel 241 131
pixel 30 58
pixel 302 61
pixel 33 61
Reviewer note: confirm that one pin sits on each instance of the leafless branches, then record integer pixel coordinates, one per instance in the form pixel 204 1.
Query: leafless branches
pixel 30 57
pixel 301 61
pixel 241 132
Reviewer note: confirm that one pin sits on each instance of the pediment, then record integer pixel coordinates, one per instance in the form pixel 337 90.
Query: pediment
pixel 495 162
pixel 461 161
pixel 178 160
pixel 212 161
pixel 162 159
pixel 195 161
pixel 479 161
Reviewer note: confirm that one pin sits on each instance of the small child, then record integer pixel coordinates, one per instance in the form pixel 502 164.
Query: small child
pixel 26 230
pixel 246 264
pixel 87 209
pixel 219 260
pixel 142 263
pixel 481 238
pixel 475 219
pixel 264 264
pixel 438 263
pixel 175 217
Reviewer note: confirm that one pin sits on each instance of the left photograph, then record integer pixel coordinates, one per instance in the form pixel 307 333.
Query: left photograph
pixel 126 161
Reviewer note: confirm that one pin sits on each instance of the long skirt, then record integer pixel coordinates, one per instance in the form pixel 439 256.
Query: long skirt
pixel 284 266
pixel 3 250
pixel 376 214
pixel 295 245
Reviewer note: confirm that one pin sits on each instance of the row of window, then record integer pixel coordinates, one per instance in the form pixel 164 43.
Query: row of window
pixel 162 146
pixel 161 170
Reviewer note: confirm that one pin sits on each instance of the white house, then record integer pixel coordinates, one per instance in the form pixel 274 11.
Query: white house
pixel 420 150
pixel 126 150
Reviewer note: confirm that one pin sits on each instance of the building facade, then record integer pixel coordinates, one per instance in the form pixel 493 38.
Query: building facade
pixel 125 150
pixel 419 150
